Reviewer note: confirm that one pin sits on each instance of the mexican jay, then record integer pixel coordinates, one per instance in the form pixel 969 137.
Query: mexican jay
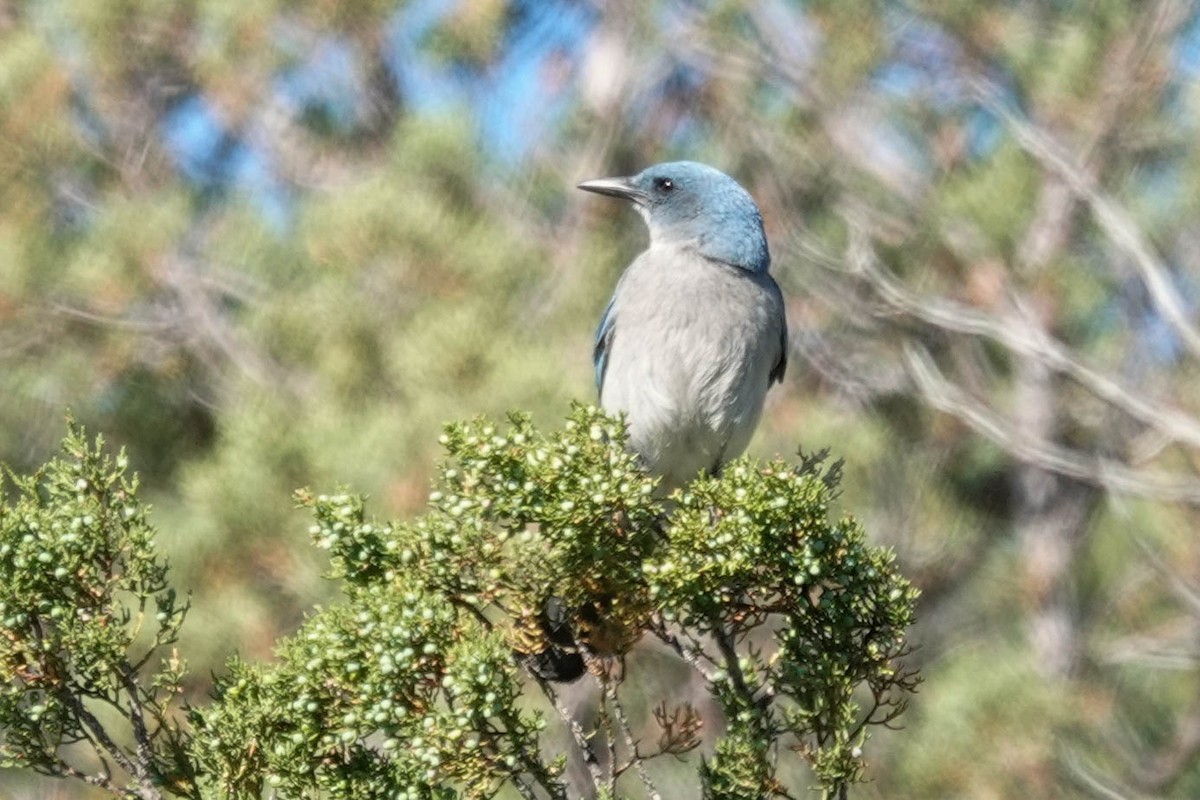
pixel 695 332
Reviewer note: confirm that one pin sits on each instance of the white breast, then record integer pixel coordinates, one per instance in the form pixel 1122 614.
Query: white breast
pixel 693 346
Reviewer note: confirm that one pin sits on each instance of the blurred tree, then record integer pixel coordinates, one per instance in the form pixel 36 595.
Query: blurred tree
pixel 272 245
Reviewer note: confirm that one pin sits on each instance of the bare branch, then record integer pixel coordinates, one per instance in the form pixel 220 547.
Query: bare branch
pixel 605 681
pixel 1096 470
pixel 139 771
pixel 142 736
pixel 580 737
pixel 1116 222
pixel 693 655
pixel 1024 337
pixel 1187 592
pixel 627 733
pixel 1091 782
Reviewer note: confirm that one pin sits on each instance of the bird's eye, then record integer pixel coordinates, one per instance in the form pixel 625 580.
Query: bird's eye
pixel 664 184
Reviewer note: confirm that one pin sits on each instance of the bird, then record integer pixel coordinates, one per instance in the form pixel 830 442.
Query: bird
pixel 695 333
pixel 693 337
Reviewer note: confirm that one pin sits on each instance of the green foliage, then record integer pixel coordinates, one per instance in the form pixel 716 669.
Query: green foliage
pixel 392 695
pixel 756 548
pixel 412 685
pixel 85 607
pixel 740 768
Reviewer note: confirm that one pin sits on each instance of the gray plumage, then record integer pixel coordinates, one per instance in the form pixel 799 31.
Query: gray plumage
pixel 695 332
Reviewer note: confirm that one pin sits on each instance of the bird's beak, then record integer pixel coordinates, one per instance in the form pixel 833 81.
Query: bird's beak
pixel 615 187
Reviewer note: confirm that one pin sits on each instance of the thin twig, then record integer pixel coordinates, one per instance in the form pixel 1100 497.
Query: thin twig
pixel 141 734
pixel 691 655
pixel 733 666
pixel 103 781
pixel 523 789
pixel 577 733
pixel 627 733
pixel 146 789
pixel 604 680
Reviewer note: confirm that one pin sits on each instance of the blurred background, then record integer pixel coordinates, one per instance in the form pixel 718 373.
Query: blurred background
pixel 268 244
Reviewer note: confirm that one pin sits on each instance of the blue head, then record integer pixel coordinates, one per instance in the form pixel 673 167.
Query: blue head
pixel 696 206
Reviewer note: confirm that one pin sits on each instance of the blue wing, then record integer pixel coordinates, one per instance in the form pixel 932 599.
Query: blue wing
pixel 776 374
pixel 604 336
pixel 780 367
